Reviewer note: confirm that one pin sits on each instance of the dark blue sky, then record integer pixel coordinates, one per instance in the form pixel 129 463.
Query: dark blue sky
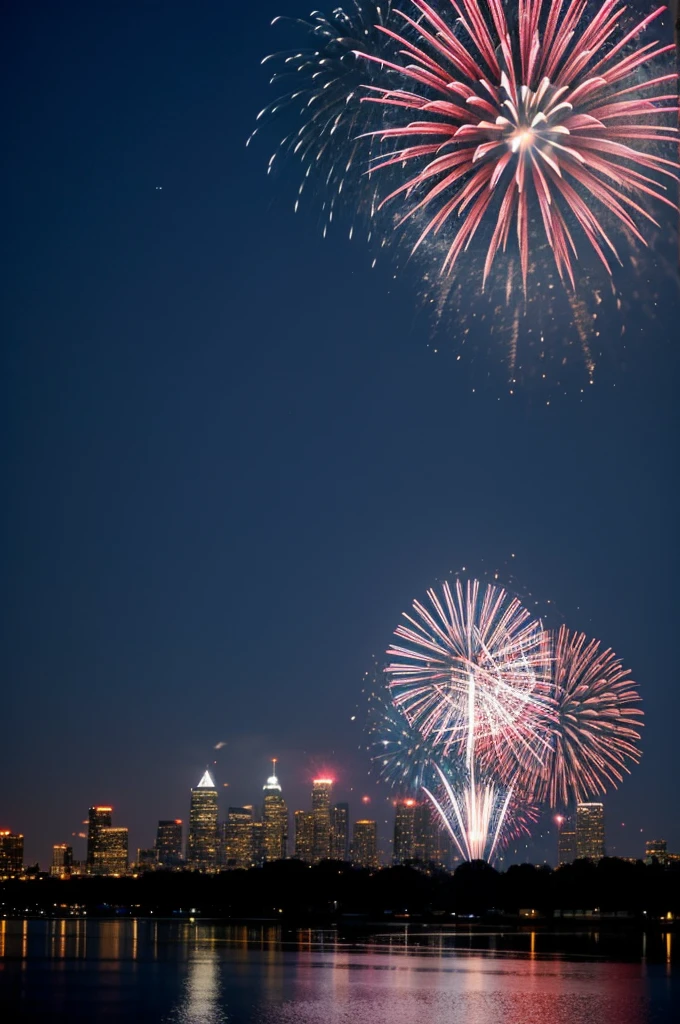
pixel 231 459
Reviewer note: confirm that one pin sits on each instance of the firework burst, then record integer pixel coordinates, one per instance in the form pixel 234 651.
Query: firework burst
pixel 472 677
pixel 546 121
pixel 474 665
pixel 594 733
pixel 321 87
pixel 489 714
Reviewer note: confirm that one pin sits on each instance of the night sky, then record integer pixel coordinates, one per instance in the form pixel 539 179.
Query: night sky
pixel 232 457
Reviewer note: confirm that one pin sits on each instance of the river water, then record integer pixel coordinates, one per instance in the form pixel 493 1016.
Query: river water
pixel 166 972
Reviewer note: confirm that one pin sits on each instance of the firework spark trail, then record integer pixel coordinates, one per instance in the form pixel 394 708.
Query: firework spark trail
pixel 321 85
pixel 528 114
pixel 410 763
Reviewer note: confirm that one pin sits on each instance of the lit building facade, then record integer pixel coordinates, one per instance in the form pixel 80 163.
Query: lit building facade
pixel 274 820
pixel 169 843
pixel 202 837
pixel 111 854
pixel 431 843
pixel 340 832
pixel 403 846
pixel 321 809
pixel 656 849
pixel 365 844
pixel 238 838
pixel 566 846
pixel 62 861
pixel 98 818
pixel 304 836
pixel 590 831
pixel 11 854
pixel 257 843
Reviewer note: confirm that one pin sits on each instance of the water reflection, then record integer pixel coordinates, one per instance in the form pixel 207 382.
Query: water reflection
pixel 200 1003
pixel 188 972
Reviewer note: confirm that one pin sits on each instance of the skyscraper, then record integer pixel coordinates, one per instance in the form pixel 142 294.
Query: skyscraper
pixel 111 854
pixel 257 843
pixel 62 861
pixel 365 844
pixel 403 848
pixel 340 832
pixel 304 836
pixel 431 845
pixel 202 838
pixel 590 831
pixel 169 843
pixel 238 838
pixel 321 809
pixel 566 846
pixel 274 819
pixel 98 818
pixel 11 854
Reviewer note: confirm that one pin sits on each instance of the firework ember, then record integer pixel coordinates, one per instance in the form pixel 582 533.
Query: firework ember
pixel 552 120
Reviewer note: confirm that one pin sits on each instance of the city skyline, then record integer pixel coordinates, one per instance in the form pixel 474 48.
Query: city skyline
pixel 222 836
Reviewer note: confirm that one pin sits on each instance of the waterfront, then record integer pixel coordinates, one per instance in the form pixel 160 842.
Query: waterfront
pixel 200 973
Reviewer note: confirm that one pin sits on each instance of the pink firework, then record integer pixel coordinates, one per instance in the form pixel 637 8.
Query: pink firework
pixel 548 120
pixel 595 726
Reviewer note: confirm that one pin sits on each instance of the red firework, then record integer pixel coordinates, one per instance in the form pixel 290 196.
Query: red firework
pixel 549 115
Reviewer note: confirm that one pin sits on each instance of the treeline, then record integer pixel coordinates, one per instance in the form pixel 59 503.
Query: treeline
pixel 331 891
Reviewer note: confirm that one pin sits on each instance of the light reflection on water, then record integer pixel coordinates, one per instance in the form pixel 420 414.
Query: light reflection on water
pixel 167 972
pixel 201 1001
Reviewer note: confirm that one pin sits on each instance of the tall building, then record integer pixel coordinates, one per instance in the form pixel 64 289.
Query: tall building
pixel 169 843
pixel 238 838
pixel 274 819
pixel 304 836
pixel 425 845
pixel 98 818
pixel 111 854
pixel 202 837
pixel 590 831
pixel 340 832
pixel 431 844
pixel 257 844
pixel 62 861
pixel 11 854
pixel 365 844
pixel 321 809
pixel 566 846
pixel 403 847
